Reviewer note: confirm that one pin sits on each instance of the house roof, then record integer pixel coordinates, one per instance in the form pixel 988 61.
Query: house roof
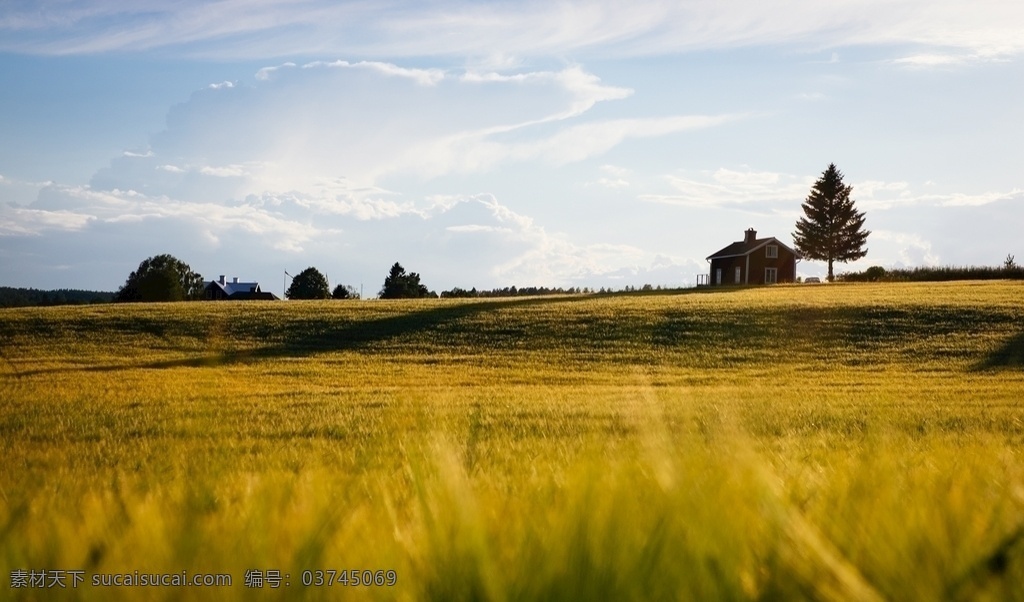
pixel 230 288
pixel 741 248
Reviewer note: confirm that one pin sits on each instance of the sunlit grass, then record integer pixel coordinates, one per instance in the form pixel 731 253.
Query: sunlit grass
pixel 823 442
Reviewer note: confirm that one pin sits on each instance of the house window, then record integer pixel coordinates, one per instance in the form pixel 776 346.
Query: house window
pixel 771 275
pixel 737 274
pixel 772 251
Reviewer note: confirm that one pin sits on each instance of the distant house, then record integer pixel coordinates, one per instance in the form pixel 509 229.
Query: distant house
pixel 753 260
pixel 220 290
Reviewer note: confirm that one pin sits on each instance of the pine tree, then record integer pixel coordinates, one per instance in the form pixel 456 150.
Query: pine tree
pixel 833 229
pixel 401 285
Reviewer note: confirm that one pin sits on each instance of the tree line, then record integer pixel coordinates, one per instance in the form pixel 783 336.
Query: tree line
pixel 167 278
pixel 1008 271
pixel 27 297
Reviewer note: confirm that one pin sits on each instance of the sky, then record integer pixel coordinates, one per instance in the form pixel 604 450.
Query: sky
pixel 489 144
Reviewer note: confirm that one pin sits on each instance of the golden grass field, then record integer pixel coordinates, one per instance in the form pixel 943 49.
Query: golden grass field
pixel 834 442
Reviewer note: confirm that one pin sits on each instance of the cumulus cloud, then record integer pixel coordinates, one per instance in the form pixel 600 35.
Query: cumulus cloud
pixel 903 249
pixel 298 160
pixel 367 121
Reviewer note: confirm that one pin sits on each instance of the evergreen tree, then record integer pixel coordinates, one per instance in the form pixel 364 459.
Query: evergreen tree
pixel 309 284
pixel 401 285
pixel 832 229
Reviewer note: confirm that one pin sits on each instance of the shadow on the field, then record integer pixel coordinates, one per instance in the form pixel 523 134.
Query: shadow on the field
pixel 304 337
pixel 1009 355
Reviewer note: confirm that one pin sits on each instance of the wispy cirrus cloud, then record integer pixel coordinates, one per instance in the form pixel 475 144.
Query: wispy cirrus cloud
pixel 233 29
pixel 733 188
pixel 752 189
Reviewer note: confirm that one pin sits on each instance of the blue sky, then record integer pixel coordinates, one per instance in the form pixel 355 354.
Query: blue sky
pixel 491 144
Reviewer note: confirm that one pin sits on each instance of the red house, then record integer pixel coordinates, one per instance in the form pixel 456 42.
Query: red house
pixel 753 260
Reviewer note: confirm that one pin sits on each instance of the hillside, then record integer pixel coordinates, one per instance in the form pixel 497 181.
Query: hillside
pixel 834 441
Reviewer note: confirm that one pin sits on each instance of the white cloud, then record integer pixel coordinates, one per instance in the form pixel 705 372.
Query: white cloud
pixel 266 73
pixel 973 200
pixel 580 142
pixel 731 188
pixel 614 184
pixel 74 208
pixel 926 61
pixel 937 60
pixel 498 33
pixel 368 121
pixel 19 192
pixel 615 178
pixel 473 228
pixel 736 189
pixel 424 77
pixel 18 221
pixel 226 171
pixel 903 249
pixel 616 171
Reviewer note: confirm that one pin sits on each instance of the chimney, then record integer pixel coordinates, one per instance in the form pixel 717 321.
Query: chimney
pixel 751 234
pixel 222 278
pixel 235 280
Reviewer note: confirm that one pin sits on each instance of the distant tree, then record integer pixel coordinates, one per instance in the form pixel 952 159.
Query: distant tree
pixel 1009 263
pixel 309 284
pixel 161 278
pixel 401 285
pixel 344 291
pixel 161 285
pixel 874 273
pixel 832 229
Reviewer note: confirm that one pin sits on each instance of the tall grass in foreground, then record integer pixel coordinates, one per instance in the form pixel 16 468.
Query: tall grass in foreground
pixel 708 520
pixel 838 443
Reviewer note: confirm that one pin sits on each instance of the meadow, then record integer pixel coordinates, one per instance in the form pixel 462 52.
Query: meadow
pixel 832 442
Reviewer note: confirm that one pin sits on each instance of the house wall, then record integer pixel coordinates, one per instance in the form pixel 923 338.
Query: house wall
pixel 728 266
pixel 785 264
